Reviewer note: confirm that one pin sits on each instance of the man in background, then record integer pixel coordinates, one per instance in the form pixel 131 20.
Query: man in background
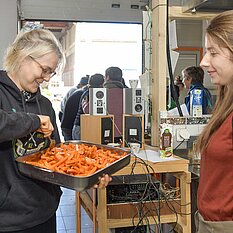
pixel 113 78
pixel 95 81
pixel 83 82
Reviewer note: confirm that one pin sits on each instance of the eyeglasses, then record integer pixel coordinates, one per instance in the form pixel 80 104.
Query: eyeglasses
pixel 45 71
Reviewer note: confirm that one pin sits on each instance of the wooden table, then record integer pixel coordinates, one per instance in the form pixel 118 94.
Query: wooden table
pixel 177 168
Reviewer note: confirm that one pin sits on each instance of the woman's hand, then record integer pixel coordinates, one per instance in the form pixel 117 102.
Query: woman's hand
pixel 104 180
pixel 46 126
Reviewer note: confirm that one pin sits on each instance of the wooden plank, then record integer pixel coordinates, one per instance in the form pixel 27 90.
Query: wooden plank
pixel 176 12
pixel 102 211
pixel 159 65
pixel 131 209
pixel 86 203
pixel 114 223
pixel 78 211
pixel 179 165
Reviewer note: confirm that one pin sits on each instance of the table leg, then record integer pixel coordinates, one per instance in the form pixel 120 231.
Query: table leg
pixel 102 211
pixel 94 209
pixel 78 213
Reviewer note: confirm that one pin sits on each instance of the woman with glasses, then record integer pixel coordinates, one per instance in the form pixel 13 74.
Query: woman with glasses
pixel 193 77
pixel 27 125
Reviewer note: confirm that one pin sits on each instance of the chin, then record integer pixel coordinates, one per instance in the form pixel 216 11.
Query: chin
pixel 33 90
pixel 216 83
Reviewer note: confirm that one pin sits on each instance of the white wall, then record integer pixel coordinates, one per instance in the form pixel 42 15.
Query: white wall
pixel 8 25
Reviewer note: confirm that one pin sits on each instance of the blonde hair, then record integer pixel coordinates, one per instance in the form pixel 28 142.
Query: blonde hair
pixel 221 31
pixel 35 43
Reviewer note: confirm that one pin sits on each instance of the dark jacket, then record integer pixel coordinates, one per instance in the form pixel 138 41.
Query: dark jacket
pixel 71 110
pixel 24 202
pixel 85 94
pixel 206 99
pixel 113 84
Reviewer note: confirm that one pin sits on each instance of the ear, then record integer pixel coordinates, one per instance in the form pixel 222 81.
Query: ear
pixel 189 79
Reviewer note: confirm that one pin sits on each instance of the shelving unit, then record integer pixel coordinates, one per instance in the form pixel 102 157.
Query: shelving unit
pixel 105 215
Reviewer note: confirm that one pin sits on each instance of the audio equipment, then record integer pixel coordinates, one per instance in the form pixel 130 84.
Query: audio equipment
pixel 133 126
pixel 97 101
pixel 97 129
pixel 132 188
pixel 138 229
pixel 115 107
pixel 133 101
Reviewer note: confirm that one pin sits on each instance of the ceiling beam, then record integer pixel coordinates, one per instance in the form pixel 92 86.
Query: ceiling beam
pixel 176 12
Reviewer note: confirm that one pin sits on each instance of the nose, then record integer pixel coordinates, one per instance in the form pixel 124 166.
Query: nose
pixel 46 78
pixel 205 61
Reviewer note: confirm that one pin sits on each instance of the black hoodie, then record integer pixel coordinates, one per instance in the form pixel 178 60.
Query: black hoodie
pixel 24 202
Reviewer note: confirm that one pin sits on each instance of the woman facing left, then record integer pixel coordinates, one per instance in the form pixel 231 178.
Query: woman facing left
pixel 27 125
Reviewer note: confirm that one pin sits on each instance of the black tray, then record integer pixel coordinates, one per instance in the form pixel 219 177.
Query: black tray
pixel 78 183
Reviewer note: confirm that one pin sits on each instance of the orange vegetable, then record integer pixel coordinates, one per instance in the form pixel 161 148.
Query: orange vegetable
pixel 76 160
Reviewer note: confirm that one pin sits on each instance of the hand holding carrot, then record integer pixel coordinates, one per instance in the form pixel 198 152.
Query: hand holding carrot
pixel 46 126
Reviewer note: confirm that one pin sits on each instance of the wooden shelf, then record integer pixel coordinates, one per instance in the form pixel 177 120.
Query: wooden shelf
pixel 108 216
pixel 118 211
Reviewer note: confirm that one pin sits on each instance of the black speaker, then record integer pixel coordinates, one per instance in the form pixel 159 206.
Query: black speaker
pixel 106 130
pixel 133 129
pixel 97 129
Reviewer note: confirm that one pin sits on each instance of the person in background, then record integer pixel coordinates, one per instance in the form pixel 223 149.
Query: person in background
pixel 83 82
pixel 123 82
pixel 215 144
pixel 95 81
pixel 113 78
pixel 181 90
pixel 71 110
pixel 170 102
pixel 193 77
pixel 27 125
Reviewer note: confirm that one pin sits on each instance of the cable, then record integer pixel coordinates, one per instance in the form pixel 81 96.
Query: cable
pixel 148 202
pixel 127 144
pixel 179 144
pixel 170 67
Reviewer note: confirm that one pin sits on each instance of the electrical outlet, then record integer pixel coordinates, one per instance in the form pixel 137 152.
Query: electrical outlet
pixel 176 130
pixel 178 137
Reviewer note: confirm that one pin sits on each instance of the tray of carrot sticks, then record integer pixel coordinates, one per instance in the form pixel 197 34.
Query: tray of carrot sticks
pixel 74 164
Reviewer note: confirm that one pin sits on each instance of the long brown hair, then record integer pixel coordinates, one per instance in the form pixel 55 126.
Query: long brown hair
pixel 220 30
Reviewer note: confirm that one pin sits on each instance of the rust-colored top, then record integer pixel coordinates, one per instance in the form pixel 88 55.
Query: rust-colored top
pixel 215 193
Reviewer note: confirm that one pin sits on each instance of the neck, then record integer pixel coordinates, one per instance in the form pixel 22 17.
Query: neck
pixel 12 76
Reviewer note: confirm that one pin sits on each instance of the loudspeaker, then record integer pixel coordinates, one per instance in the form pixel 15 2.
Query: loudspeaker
pixel 97 129
pixel 133 126
pixel 133 101
pixel 115 107
pixel 97 101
